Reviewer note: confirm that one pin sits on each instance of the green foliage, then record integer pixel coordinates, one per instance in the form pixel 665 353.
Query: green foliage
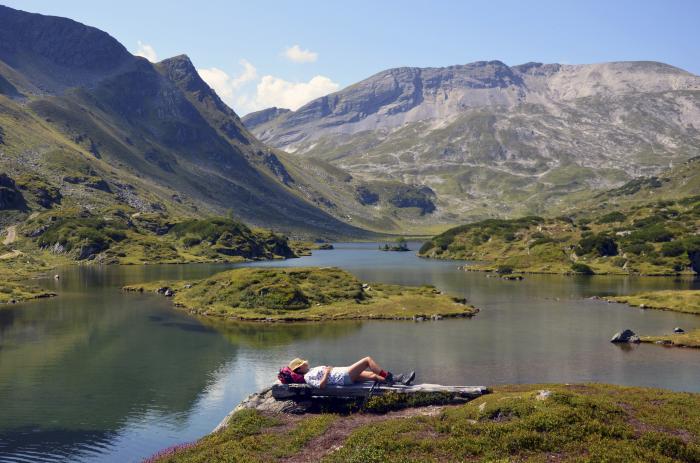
pixel 496 228
pixel 504 269
pixel 581 268
pixel 672 249
pixel 612 217
pixel 601 244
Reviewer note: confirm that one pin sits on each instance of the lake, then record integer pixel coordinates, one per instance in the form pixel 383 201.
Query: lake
pixel 99 375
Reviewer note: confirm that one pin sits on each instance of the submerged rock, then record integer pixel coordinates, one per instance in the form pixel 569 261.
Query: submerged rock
pixel 625 336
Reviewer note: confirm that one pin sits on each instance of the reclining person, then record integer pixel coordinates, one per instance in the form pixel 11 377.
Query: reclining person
pixel 365 369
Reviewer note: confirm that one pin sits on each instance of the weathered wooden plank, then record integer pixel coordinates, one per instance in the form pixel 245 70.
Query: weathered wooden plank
pixel 302 391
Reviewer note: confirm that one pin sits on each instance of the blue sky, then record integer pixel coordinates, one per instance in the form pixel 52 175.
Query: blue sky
pixel 243 48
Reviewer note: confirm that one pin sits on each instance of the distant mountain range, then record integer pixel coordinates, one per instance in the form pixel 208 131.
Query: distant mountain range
pixel 84 123
pixel 487 139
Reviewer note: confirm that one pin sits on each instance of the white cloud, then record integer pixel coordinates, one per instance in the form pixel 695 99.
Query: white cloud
pixel 239 93
pixel 298 55
pixel 147 51
pixel 273 91
pixel 225 85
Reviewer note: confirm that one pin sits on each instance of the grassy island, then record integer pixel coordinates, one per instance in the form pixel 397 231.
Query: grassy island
pixel 653 239
pixel 514 423
pixel 304 294
pixel 687 301
pixel 689 339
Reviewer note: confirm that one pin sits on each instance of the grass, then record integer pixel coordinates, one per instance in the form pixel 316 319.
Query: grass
pixel 15 281
pixel 689 339
pixel 686 301
pixel 515 423
pixel 305 294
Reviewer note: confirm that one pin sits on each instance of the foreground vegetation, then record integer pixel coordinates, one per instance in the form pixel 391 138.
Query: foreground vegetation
pixel 653 239
pixel 515 423
pixel 299 294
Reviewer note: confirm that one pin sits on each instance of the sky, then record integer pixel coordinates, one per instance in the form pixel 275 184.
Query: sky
pixel 258 54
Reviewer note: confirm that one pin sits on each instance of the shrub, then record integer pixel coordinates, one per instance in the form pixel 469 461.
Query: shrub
pixel 672 249
pixel 582 269
pixel 656 233
pixel 504 269
pixel 612 217
pixel 639 248
pixel 603 245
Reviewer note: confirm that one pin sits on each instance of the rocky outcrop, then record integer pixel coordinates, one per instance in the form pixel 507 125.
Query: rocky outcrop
pixel 10 196
pixel 625 336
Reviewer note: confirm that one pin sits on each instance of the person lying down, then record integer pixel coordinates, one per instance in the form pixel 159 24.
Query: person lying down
pixel 365 369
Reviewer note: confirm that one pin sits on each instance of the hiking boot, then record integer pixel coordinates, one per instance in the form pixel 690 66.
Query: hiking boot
pixel 407 379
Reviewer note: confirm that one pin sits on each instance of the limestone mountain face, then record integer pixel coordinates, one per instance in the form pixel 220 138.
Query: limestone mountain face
pixel 75 104
pixel 490 139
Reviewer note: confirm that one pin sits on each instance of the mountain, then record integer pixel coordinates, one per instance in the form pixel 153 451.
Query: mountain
pixel 493 140
pixel 85 123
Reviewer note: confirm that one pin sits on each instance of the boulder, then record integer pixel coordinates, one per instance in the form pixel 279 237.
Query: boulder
pixel 625 336
pixel 678 330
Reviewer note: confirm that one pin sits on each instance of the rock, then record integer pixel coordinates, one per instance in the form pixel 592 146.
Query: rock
pixel 168 293
pixel 678 330
pixel 162 290
pixel 543 395
pixel 625 336
pixel 57 277
pixel 418 319
pixel 188 286
pixel 664 342
pixel 436 317
pixel 642 306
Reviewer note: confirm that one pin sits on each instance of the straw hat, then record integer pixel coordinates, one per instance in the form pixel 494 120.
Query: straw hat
pixel 296 363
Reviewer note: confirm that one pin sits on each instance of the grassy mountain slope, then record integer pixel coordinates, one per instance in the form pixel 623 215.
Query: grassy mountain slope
pixel 78 111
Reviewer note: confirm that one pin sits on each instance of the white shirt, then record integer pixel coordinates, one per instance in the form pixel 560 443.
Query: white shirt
pixel 315 375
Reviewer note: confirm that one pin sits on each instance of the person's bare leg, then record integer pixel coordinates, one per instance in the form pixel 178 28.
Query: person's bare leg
pixel 368 376
pixel 361 365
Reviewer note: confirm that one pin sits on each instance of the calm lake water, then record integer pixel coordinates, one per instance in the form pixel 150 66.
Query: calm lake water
pixel 98 375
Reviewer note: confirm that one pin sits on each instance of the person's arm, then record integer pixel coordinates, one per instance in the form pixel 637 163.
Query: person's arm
pixel 324 379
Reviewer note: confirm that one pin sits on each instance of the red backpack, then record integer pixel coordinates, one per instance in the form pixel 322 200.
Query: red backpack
pixel 287 376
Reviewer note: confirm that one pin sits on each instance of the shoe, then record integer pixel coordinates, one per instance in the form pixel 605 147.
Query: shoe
pixel 407 379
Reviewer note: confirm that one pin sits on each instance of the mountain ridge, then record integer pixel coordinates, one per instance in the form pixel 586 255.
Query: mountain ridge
pixel 494 140
pixel 155 135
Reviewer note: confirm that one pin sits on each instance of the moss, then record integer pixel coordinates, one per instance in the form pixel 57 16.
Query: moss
pixel 298 294
pixel 515 423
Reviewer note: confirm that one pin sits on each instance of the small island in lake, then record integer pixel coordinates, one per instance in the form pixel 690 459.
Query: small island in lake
pixel 305 294
pixel 399 246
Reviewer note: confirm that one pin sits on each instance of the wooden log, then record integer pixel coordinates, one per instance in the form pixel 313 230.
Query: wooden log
pixel 304 391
